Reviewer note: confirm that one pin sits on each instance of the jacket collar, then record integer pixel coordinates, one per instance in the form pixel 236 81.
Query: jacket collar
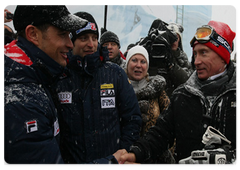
pixel 87 64
pixel 46 68
pixel 212 87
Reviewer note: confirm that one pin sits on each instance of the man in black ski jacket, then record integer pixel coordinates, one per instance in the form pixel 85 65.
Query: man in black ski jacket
pixel 202 112
pixel 33 64
pixel 100 112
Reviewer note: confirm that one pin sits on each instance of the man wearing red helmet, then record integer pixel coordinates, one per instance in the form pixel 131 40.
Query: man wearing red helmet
pixel 202 113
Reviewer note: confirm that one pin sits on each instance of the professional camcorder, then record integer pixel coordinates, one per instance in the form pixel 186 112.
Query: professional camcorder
pixel 158 44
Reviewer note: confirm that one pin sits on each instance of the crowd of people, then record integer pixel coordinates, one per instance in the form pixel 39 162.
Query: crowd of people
pixel 71 95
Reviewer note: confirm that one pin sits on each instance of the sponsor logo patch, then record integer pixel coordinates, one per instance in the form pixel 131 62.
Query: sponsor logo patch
pixel 65 97
pixel 107 86
pixel 107 102
pixel 107 92
pixel 31 126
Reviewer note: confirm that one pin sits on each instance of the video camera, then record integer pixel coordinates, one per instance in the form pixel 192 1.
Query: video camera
pixel 158 44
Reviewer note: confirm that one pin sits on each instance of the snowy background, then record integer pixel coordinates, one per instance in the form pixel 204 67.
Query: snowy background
pixel 131 22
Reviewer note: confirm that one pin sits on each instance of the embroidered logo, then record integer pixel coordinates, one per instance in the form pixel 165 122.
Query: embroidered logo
pixel 65 97
pixel 31 126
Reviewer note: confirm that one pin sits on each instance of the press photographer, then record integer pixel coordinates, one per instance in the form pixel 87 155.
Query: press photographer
pixel 166 55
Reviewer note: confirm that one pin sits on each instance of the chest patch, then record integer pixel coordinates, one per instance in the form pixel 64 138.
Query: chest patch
pixel 65 97
pixel 31 126
pixel 107 92
pixel 107 102
pixel 107 95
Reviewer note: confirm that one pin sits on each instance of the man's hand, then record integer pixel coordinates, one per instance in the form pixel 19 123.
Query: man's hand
pixel 129 158
pixel 119 153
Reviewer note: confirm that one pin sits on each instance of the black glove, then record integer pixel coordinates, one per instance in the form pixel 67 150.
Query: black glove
pixel 103 51
pixel 169 61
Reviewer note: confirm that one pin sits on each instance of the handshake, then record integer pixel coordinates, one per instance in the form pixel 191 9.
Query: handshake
pixel 123 157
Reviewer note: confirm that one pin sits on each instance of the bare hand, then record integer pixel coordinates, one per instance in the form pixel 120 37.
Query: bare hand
pixel 5 15
pixel 127 158
pixel 119 153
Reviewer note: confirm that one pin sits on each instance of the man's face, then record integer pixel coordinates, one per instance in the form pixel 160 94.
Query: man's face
pixel 56 44
pixel 207 62
pixel 85 44
pixel 112 48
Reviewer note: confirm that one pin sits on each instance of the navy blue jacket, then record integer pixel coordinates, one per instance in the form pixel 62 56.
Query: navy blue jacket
pixel 100 112
pixel 31 122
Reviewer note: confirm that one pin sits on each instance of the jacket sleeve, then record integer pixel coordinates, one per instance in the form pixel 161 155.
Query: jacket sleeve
pixel 156 140
pixel 109 160
pixel 29 130
pixel 130 115
pixel 181 71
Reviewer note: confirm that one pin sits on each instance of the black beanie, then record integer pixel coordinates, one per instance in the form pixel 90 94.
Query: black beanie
pixel 109 36
pixel 91 27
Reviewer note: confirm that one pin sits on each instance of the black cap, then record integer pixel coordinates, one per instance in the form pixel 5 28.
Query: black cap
pixel 57 15
pixel 91 26
pixel 109 36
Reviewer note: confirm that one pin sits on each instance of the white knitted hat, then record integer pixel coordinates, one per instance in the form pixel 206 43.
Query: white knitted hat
pixel 137 50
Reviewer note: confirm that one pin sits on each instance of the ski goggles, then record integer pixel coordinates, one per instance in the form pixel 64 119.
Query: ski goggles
pixel 206 33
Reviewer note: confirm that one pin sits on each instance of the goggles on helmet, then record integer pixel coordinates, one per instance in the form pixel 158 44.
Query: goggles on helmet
pixel 206 33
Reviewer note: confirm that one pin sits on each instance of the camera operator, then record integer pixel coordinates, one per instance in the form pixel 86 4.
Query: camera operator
pixel 166 56
pixel 9 35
